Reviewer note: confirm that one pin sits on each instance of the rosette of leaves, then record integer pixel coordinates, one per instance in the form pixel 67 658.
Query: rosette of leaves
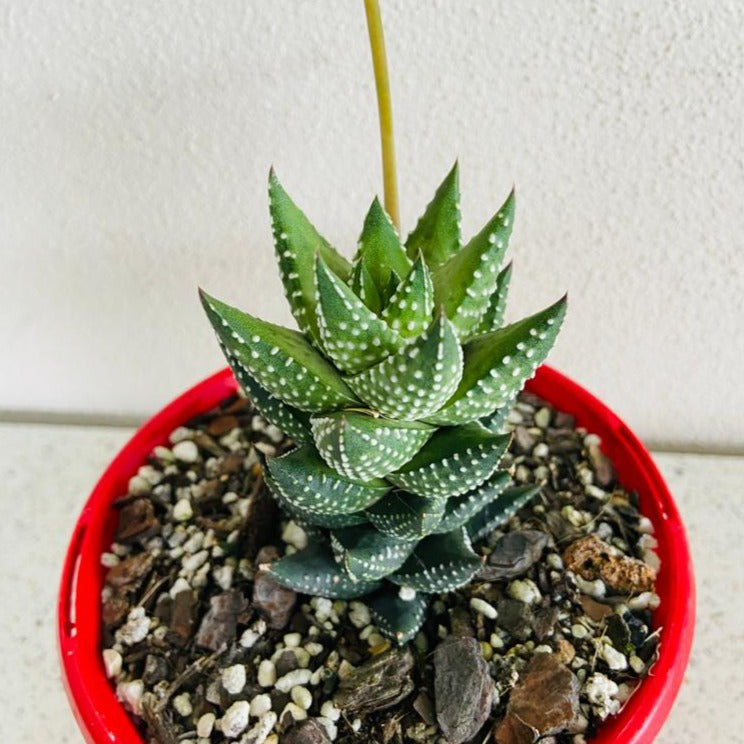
pixel 395 390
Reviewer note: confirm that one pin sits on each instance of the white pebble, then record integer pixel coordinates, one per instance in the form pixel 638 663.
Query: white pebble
pixel 496 641
pixel 267 674
pixel 359 615
pixel 252 634
pixel 179 434
pixel 601 692
pixel 541 450
pixel 235 720
pixel 525 591
pixel 130 694
pixel 301 696
pixel 356 724
pixel 375 639
pixel 615 660
pixel 323 608
pixel 483 608
pixel 637 664
pixel 182 704
pixel 302 656
pixel 314 648
pixel 554 561
pixel 135 629
pixel 294 710
pixel 109 560
pixel 345 669
pixel 572 515
pixel 645 600
pixel 292 640
pixel 138 486
pixel 260 704
pixel 294 535
pixel 233 678
pixel 186 451
pixel 330 727
pixel 274 433
pixel 579 631
pixel 223 576
pixel 407 593
pixel 542 418
pixel 645 525
pixel 204 725
pixel 292 679
pixel 179 585
pixel 112 662
pixel 330 711
pixel 182 511
pixel 193 562
pixel 596 492
pixel 260 732
pixel 594 588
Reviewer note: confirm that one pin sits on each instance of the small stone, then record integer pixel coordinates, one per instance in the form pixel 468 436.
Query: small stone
pixel 483 608
pixel 135 629
pixel 614 659
pixel 565 652
pixel 112 662
pixel 235 720
pixel 292 640
pixel 407 593
pixel 130 694
pixel 579 631
pixel 525 591
pixel 182 704
pixel 204 725
pixel 294 712
pixel 514 554
pixel 359 615
pixel 233 678
pixel 542 417
pixel 138 486
pixel 310 731
pixel 600 691
pixel 274 601
pixel 183 511
pixel 260 704
pixel 219 624
pixel 292 679
pixel 330 711
pixel 266 673
pixel 294 535
pixel 302 697
pixel 463 690
pixel 515 618
pixel 186 451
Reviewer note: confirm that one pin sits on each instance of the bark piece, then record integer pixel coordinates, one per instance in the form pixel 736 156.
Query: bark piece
pixel 219 625
pixel 306 732
pixel 130 573
pixel 137 519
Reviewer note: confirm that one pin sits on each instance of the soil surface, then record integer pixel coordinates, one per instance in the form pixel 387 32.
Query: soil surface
pixel 204 647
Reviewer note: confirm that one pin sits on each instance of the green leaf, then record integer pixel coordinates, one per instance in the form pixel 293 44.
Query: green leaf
pixel 305 481
pixel 453 461
pixel 292 421
pixel 499 510
pixel 280 360
pixel 393 284
pixel 313 571
pixel 437 234
pixel 406 516
pixel 410 307
pixel 351 335
pixel 464 284
pixel 361 447
pixel 497 365
pixel 364 288
pixel 415 381
pixel 496 421
pixel 368 554
pixel 380 248
pixel 494 315
pixel 296 243
pixel 439 563
pixel 398 619
pixel 461 509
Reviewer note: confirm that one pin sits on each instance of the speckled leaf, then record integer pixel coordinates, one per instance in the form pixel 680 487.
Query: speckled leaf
pixel 439 563
pixel 393 284
pixel 398 619
pixel 499 510
pixel 461 509
pixel 497 365
pixel 496 421
pixel 453 461
pixel 367 554
pixel 494 315
pixel 307 482
pixel 409 311
pixel 351 335
pixel 361 447
pixel 406 516
pixel 281 360
pixel 364 288
pixel 380 248
pixel 292 421
pixel 296 243
pixel 437 234
pixel 313 571
pixel 464 284
pixel 415 381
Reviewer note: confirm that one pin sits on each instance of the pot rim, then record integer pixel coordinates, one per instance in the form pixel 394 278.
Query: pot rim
pixel 101 716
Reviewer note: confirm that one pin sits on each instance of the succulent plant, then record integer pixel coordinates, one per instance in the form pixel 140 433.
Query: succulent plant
pixel 395 390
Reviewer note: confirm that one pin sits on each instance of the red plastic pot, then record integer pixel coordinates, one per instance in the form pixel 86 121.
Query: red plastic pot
pixel 102 718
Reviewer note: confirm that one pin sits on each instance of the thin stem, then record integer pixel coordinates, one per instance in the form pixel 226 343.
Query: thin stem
pixel 384 104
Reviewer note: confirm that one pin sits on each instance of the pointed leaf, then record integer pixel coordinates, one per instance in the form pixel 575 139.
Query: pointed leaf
pixel 368 554
pixel 305 481
pixel 453 461
pixel 494 315
pixel 439 563
pixel 292 421
pixel 398 619
pixel 280 360
pixel 351 335
pixel 296 242
pixel 464 284
pixel 499 510
pixel 406 516
pixel 380 248
pixel 437 234
pixel 313 571
pixel 497 365
pixel 461 509
pixel 496 421
pixel 364 288
pixel 393 284
pixel 417 380
pixel 409 310
pixel 362 447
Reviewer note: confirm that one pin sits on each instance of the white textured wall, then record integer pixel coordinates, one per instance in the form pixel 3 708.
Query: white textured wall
pixel 135 139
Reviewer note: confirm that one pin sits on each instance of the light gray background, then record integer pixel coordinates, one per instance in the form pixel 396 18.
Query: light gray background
pixel 135 139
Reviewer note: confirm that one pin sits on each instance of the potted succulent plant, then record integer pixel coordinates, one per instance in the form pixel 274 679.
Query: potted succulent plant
pixel 435 577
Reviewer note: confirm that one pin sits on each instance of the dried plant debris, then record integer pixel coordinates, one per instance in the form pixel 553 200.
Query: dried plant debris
pixel 204 646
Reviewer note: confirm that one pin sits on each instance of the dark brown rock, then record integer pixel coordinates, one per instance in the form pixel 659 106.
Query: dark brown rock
pixel 604 472
pixel 287 662
pixel 543 622
pixel 131 572
pixel 463 690
pixel 222 425
pixel 306 732
pixel 546 700
pixel 595 610
pixel 523 439
pixel 274 601
pixel 219 625
pixel 514 554
pixel 137 520
pixel 114 611
pixel 515 618
pixel 377 684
